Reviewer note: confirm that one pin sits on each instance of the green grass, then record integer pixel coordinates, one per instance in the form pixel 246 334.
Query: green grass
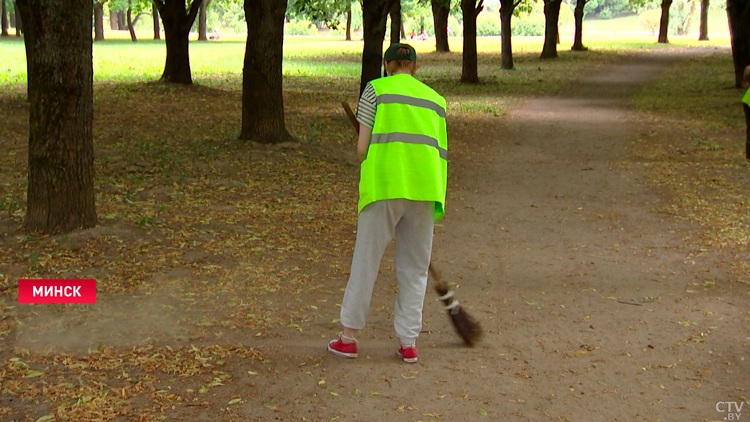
pixel 220 63
pixel 702 88
pixel 695 149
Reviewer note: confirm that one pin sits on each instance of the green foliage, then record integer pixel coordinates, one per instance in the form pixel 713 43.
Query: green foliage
pixel 488 24
pixel 526 24
pixel 456 26
pixel 531 25
pixel 117 5
pixel 300 28
pixel 683 16
pixel 607 9
pixel 319 12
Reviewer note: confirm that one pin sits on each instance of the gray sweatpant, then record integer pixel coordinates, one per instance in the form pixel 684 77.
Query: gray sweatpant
pixel 412 222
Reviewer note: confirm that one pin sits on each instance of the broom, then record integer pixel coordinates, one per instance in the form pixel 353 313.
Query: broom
pixel 466 326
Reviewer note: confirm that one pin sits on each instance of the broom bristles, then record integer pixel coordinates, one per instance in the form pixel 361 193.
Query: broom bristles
pixel 467 327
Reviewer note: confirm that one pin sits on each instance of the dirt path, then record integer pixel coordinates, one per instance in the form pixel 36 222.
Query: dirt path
pixel 591 303
pixel 594 308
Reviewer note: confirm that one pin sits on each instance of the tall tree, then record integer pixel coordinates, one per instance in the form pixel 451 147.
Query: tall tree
pixel 374 14
pixel 202 21
pixel 122 20
pixel 578 16
pixel 60 84
pixel 262 97
pixel 98 20
pixel 396 22
pixel 664 22
pixel 470 67
pixel 738 12
pixel 19 21
pixel 440 11
pixel 349 22
pixel 155 15
pixel 4 20
pixel 319 12
pixel 139 7
pixel 703 36
pixel 177 20
pixel 507 7
pixel 112 19
pixel 551 33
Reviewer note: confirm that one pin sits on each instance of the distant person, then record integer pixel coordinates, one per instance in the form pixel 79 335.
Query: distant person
pixel 413 34
pixel 746 107
pixel 423 36
pixel 215 35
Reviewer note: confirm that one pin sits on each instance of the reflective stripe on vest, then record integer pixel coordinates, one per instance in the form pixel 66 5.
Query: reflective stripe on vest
pixel 418 102
pixel 409 138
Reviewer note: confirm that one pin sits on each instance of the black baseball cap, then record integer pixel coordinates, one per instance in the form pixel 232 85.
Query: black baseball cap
pixel 392 53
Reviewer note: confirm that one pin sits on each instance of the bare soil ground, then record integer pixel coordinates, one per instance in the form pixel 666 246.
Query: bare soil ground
pixel 593 306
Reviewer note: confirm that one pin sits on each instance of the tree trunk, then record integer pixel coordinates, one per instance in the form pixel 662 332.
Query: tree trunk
pixel 131 25
pixel 177 22
pixel 551 17
pixel 113 19
pixel 396 22
pixel 374 14
pixel 262 95
pixel 202 26
pixel 12 19
pixel 98 21
pixel 440 12
pixel 60 196
pixel 4 20
pixel 470 67
pixel 506 51
pixel 664 22
pixel 19 22
pixel 578 14
pixel 684 28
pixel 704 21
pixel 122 21
pixel 155 16
pixel 349 22
pixel 738 12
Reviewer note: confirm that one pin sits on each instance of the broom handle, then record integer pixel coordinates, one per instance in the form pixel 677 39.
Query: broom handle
pixel 437 281
pixel 350 114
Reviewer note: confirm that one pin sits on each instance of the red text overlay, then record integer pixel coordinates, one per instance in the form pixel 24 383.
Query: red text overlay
pixel 56 291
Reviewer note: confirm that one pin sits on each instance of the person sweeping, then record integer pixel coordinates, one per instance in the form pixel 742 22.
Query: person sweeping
pixel 403 149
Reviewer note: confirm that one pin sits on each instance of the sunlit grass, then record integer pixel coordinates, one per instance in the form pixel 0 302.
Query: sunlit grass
pixel 696 150
pixel 121 61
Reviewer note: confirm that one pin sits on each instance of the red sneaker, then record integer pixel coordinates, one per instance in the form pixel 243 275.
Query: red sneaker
pixel 345 350
pixel 408 354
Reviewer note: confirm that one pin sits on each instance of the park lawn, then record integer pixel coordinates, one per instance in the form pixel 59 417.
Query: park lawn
pixel 186 210
pixel 696 152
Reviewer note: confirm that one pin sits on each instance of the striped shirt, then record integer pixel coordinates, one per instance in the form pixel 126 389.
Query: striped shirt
pixel 367 106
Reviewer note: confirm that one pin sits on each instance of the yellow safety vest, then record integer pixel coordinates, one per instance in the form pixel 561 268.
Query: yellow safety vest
pixel 408 153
